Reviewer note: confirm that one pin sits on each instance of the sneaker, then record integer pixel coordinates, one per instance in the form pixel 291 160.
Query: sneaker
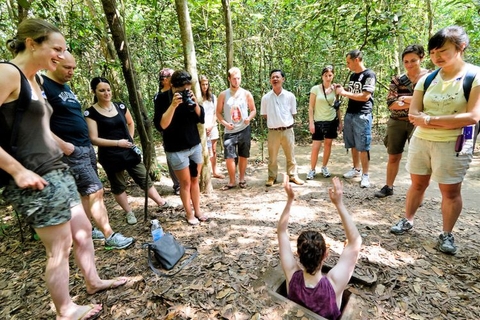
pixel 270 182
pixel 297 180
pixel 131 219
pixel 365 182
pixel 401 227
pixel 446 243
pixel 118 241
pixel 311 174
pixel 97 234
pixel 325 172
pixel 384 192
pixel 352 173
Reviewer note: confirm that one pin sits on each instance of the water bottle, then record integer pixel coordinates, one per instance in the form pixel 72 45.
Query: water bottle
pixel 157 231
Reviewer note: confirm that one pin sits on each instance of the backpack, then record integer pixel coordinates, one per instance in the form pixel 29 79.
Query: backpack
pixel 9 136
pixel 467 87
pixel 467 81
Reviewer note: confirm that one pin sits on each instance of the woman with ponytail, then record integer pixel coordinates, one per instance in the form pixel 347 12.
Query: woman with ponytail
pixel 306 285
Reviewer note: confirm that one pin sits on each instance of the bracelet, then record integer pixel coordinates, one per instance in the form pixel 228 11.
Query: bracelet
pixel 426 120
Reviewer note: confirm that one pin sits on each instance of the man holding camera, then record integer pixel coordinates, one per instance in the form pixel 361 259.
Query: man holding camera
pixel 71 133
pixel 177 114
pixel 235 110
pixel 358 117
pixel 278 107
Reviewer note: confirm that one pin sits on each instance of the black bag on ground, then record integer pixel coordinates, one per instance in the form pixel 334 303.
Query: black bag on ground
pixel 167 252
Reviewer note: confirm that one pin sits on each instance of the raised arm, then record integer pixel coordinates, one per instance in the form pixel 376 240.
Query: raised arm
pixel 287 259
pixel 343 270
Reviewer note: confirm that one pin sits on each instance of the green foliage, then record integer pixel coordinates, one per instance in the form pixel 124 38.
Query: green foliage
pixel 300 37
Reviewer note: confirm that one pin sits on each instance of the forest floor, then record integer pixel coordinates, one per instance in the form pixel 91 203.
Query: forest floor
pixel 238 246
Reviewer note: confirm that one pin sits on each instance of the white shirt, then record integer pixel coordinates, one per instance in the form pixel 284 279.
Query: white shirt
pixel 279 109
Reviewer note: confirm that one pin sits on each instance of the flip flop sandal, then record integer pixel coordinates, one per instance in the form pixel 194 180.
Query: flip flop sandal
pixel 242 184
pixel 194 221
pixel 227 187
pixel 202 218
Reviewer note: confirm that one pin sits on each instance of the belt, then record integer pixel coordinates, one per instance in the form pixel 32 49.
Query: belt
pixel 281 128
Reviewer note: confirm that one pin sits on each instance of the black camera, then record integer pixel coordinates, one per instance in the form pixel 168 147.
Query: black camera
pixel 186 100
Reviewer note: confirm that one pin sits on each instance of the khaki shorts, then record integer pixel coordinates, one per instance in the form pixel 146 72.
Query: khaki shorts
pixel 48 207
pixel 437 159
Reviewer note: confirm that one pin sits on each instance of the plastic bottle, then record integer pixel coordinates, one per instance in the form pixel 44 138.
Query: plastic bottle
pixel 157 231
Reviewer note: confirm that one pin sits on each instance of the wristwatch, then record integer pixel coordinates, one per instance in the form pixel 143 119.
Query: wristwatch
pixel 401 103
pixel 426 120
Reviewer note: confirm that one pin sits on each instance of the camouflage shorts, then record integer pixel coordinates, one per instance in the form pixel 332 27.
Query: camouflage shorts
pixel 47 207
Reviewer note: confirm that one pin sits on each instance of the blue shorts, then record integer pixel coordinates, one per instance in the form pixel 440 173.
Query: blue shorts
pixel 237 144
pixel 48 207
pixel 357 131
pixel 181 159
pixel 83 165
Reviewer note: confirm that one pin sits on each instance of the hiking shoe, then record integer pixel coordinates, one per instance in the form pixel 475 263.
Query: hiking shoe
pixel 297 180
pixel 131 219
pixel 446 243
pixel 384 192
pixel 401 227
pixel 325 172
pixel 365 182
pixel 311 174
pixel 118 241
pixel 270 182
pixel 97 234
pixel 352 173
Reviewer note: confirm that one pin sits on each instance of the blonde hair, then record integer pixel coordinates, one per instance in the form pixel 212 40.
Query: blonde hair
pixel 233 71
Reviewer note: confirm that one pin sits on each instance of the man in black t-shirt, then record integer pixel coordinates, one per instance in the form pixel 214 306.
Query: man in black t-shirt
pixel 357 125
pixel 71 133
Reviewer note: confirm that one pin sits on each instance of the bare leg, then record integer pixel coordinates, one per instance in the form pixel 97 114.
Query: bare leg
pixel 451 204
pixel 195 194
pixel 122 200
pixel 327 150
pixel 155 196
pixel 185 191
pixel 355 158
pixel 95 209
pixel 392 168
pixel 364 161
pixel 242 168
pixel 81 231
pixel 415 194
pixel 230 163
pixel 213 161
pixel 316 146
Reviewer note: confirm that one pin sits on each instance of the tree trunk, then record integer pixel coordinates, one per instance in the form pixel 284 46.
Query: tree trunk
pixel 143 124
pixel 229 32
pixel 191 66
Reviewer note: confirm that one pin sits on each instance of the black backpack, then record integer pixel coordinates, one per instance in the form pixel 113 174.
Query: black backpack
pixel 9 136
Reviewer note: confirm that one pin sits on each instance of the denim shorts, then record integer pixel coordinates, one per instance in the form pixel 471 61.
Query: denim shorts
pixel 181 159
pixel 83 165
pixel 437 159
pixel 48 207
pixel 237 144
pixel 357 131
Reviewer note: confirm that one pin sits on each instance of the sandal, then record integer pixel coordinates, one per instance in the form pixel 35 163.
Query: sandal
pixel 194 221
pixel 242 184
pixel 227 187
pixel 202 218
pixel 219 176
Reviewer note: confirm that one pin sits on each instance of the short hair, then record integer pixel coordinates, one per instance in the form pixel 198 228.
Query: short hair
pixel 454 34
pixel 354 54
pixel 165 73
pixel 233 71
pixel 277 70
pixel 414 48
pixel 327 69
pixel 94 83
pixel 180 78
pixel 37 29
pixel 311 249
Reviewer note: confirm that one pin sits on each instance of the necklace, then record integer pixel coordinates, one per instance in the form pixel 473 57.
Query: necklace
pixel 107 109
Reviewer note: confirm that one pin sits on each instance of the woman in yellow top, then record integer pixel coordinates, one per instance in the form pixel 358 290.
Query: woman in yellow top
pixel 441 114
pixel 324 120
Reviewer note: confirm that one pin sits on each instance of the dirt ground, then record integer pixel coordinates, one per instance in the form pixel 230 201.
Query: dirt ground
pixel 238 246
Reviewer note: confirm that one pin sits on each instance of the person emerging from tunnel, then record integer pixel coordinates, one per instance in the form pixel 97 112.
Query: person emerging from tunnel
pixel 306 285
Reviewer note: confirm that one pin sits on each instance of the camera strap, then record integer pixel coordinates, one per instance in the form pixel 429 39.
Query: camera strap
pixel 326 99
